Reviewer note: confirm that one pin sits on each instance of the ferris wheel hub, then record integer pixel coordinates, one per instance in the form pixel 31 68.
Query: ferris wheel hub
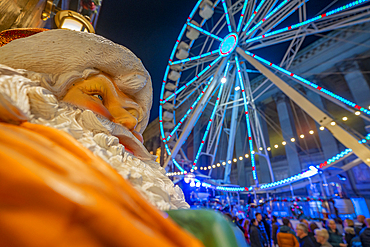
pixel 228 44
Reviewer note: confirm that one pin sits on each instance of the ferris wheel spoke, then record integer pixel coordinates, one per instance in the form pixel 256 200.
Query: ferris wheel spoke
pixel 300 24
pixel 312 85
pixel 211 118
pixel 191 81
pixel 246 112
pixel 353 17
pixel 204 31
pixel 242 16
pixel 253 15
pixel 189 110
pixel 227 16
pixel 193 58
pixel 267 17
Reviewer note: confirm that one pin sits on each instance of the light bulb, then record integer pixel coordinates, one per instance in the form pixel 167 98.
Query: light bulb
pixel 201 167
pixel 195 168
pixel 284 143
pixel 268 149
pixel 292 139
pixel 237 88
pixel 240 158
pixel 260 148
pixel 301 136
pixel 223 163
pixel 246 156
pixel 213 166
pixel 332 123
pixel 344 118
pixel 357 113
pixel 311 132
pixel 229 161
pixel 223 79
pixel 234 159
pixel 322 128
pixel 218 164
pixel 276 146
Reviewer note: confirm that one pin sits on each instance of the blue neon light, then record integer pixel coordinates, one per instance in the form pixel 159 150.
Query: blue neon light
pixel 354 3
pixel 210 120
pixel 253 163
pixel 204 31
pixel 253 15
pixel 194 58
pixel 228 44
pixel 189 110
pixel 191 81
pixel 347 102
pixel 242 16
pixel 267 16
pixel 227 16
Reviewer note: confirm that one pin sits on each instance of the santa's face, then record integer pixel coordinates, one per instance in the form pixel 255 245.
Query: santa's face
pixel 101 95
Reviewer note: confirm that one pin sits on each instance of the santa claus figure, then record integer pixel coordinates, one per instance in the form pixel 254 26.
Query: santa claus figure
pixel 73 106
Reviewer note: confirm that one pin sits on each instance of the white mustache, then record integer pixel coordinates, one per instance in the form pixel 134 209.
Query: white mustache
pixel 98 123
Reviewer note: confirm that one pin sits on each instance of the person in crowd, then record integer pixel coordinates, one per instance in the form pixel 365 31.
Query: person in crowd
pixel 311 233
pixel 325 218
pixel 239 218
pixel 275 227
pixel 304 221
pixel 246 231
pixel 286 236
pixel 322 237
pixel 262 225
pixel 335 238
pixel 356 241
pixel 267 224
pixel 361 220
pixel 255 234
pixel 313 227
pixel 365 234
pixel 349 231
pixel 304 239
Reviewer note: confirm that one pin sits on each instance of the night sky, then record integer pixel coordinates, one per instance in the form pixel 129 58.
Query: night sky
pixel 149 29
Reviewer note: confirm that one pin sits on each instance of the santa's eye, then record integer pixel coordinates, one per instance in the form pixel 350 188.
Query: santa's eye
pixel 98 96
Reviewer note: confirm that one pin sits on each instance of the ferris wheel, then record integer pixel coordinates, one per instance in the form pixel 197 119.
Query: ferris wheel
pixel 221 47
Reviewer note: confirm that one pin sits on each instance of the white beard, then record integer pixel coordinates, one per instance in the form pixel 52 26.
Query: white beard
pixel 95 133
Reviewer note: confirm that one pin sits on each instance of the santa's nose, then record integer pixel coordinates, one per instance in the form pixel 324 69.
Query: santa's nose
pixel 126 119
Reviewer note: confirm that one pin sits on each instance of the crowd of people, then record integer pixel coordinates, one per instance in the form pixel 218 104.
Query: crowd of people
pixel 264 232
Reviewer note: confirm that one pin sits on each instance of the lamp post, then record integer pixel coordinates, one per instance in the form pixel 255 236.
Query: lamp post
pixel 67 19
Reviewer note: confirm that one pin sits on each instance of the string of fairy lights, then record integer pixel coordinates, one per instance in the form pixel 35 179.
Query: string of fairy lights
pixel 246 156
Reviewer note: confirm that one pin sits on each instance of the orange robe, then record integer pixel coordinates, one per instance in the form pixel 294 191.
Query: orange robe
pixel 55 192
